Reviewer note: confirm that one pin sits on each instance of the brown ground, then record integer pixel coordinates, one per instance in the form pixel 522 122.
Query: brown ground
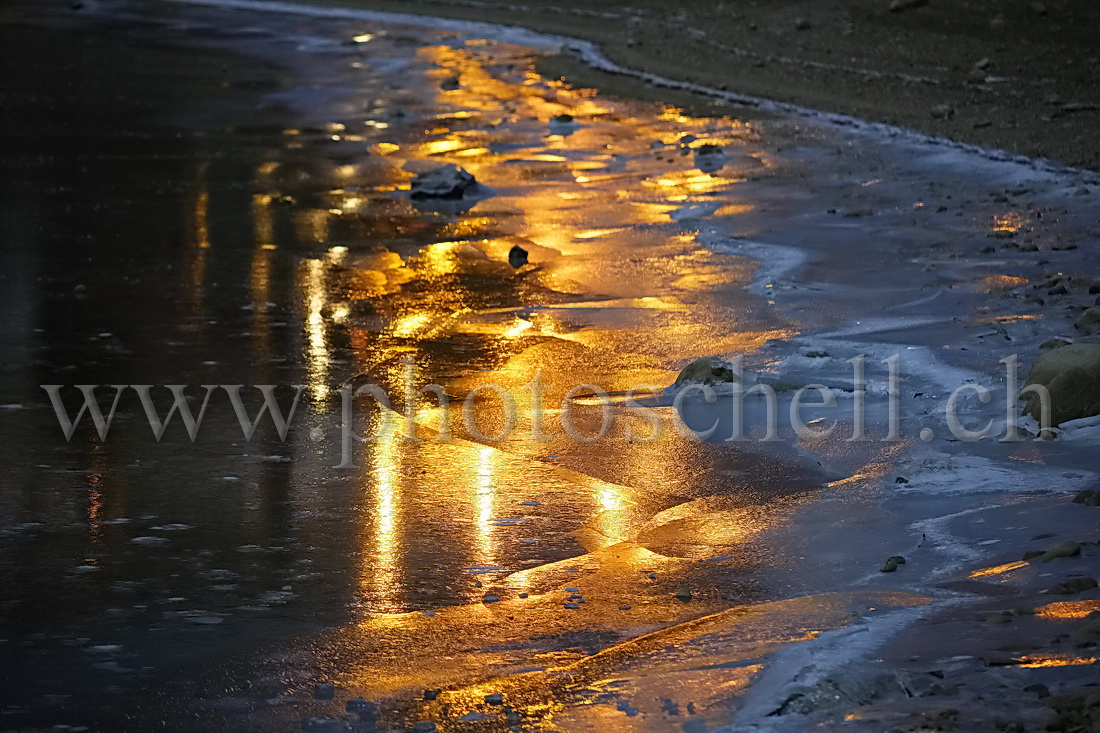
pixel 914 67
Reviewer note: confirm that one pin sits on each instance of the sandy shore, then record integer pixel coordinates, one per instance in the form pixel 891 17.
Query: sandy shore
pixel 1017 75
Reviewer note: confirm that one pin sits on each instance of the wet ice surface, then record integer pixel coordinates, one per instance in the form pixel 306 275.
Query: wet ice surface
pixel 228 220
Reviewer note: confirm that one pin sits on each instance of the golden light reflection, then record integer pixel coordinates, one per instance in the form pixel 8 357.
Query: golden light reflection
pixel 260 271
pixel 1010 222
pixel 317 348
pixel 437 147
pixel 691 182
pixel 196 256
pixel 484 502
pixel 596 233
pixel 611 521
pixel 202 229
pixel 407 326
pixel 518 329
pixel 1068 609
pixel 340 312
pixel 733 209
pixel 1000 283
pixel 384 465
pixel 381 571
pixel 615 321
pixel 986 572
pixel 610 500
pixel 1033 661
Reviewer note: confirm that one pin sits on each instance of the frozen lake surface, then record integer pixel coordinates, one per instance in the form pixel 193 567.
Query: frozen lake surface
pixel 211 196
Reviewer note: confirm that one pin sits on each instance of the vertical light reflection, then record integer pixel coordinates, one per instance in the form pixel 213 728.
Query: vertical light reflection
pixel 317 349
pixel 610 520
pixel 196 254
pixel 381 571
pixel 260 272
pixel 484 502
pixel 202 229
pixel 311 225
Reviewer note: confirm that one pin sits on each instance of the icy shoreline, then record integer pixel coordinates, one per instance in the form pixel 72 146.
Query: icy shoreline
pixel 590 54
pixel 780 277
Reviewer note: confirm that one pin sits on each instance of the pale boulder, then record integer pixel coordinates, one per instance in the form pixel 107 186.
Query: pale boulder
pixel 1071 374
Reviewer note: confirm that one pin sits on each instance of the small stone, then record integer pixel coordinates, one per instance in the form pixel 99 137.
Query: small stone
pixel 802 24
pixel 901 480
pixel 1032 554
pixel 496 698
pixel 450 84
pixel 490 598
pixel 446 182
pixel 683 593
pixel 1089 321
pixel 988 249
pixel 670 707
pixel 424 726
pixel 1073 585
pixel 1084 496
pixel 524 595
pixel 1094 287
pixel 709 158
pixel 1062 549
pixel 1062 288
pixel 517 256
pixel 1054 343
pixel 857 213
pixel 1039 689
pixel 943 111
pixel 431 694
pixel 571 606
pixel 892 564
pixel 323 691
pixel 624 607
pixel 365 709
pixel 995 619
pixel 562 119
